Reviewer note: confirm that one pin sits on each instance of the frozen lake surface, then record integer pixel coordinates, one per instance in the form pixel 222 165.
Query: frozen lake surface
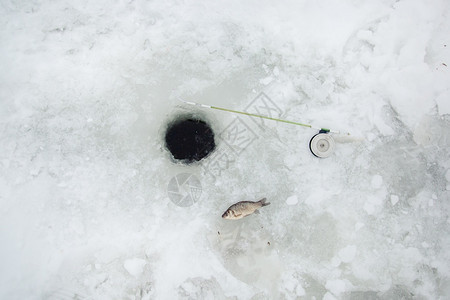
pixel 93 207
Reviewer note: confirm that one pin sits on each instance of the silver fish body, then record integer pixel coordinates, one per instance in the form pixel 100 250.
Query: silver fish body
pixel 242 209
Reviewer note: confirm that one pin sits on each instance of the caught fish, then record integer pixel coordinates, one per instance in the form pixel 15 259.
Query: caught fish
pixel 243 209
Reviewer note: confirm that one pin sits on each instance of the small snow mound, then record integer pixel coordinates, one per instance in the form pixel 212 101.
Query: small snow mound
pixel 347 254
pixel 134 266
pixel 377 181
pixel 443 103
pixel 447 175
pixel 292 200
pixel 276 71
pixel 373 205
pixel 300 291
pixel 394 199
pixel 335 261
pixel 266 81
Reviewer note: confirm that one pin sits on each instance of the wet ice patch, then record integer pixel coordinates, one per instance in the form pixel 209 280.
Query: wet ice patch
pixel 248 252
pixel 401 165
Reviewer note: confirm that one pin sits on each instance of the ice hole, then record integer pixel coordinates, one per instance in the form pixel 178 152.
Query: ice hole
pixel 189 139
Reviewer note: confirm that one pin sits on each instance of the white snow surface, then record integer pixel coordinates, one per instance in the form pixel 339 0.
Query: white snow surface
pixel 87 88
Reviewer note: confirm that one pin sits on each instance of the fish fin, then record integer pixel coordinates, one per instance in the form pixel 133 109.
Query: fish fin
pixel 257 212
pixel 263 202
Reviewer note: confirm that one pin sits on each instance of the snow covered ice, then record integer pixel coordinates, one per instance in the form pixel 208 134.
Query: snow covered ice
pixel 87 88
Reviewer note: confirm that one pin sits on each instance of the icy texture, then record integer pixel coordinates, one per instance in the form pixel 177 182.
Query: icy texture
pixel 87 87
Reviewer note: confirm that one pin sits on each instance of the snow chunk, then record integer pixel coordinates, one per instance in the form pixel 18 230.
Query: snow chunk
pixel 398 87
pixel 348 253
pixel 329 296
pixel 358 226
pixel 266 81
pixel 300 291
pixel 289 283
pixel 336 286
pixel 377 181
pixel 394 199
pixel 373 205
pixel 276 71
pixel 292 200
pixel 335 261
pixel 134 266
pixel 443 103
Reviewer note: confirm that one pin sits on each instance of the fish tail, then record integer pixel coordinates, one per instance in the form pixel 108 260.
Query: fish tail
pixel 263 202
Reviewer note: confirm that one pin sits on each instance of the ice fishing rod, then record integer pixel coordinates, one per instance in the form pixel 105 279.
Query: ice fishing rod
pixel 324 130
pixel 321 144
